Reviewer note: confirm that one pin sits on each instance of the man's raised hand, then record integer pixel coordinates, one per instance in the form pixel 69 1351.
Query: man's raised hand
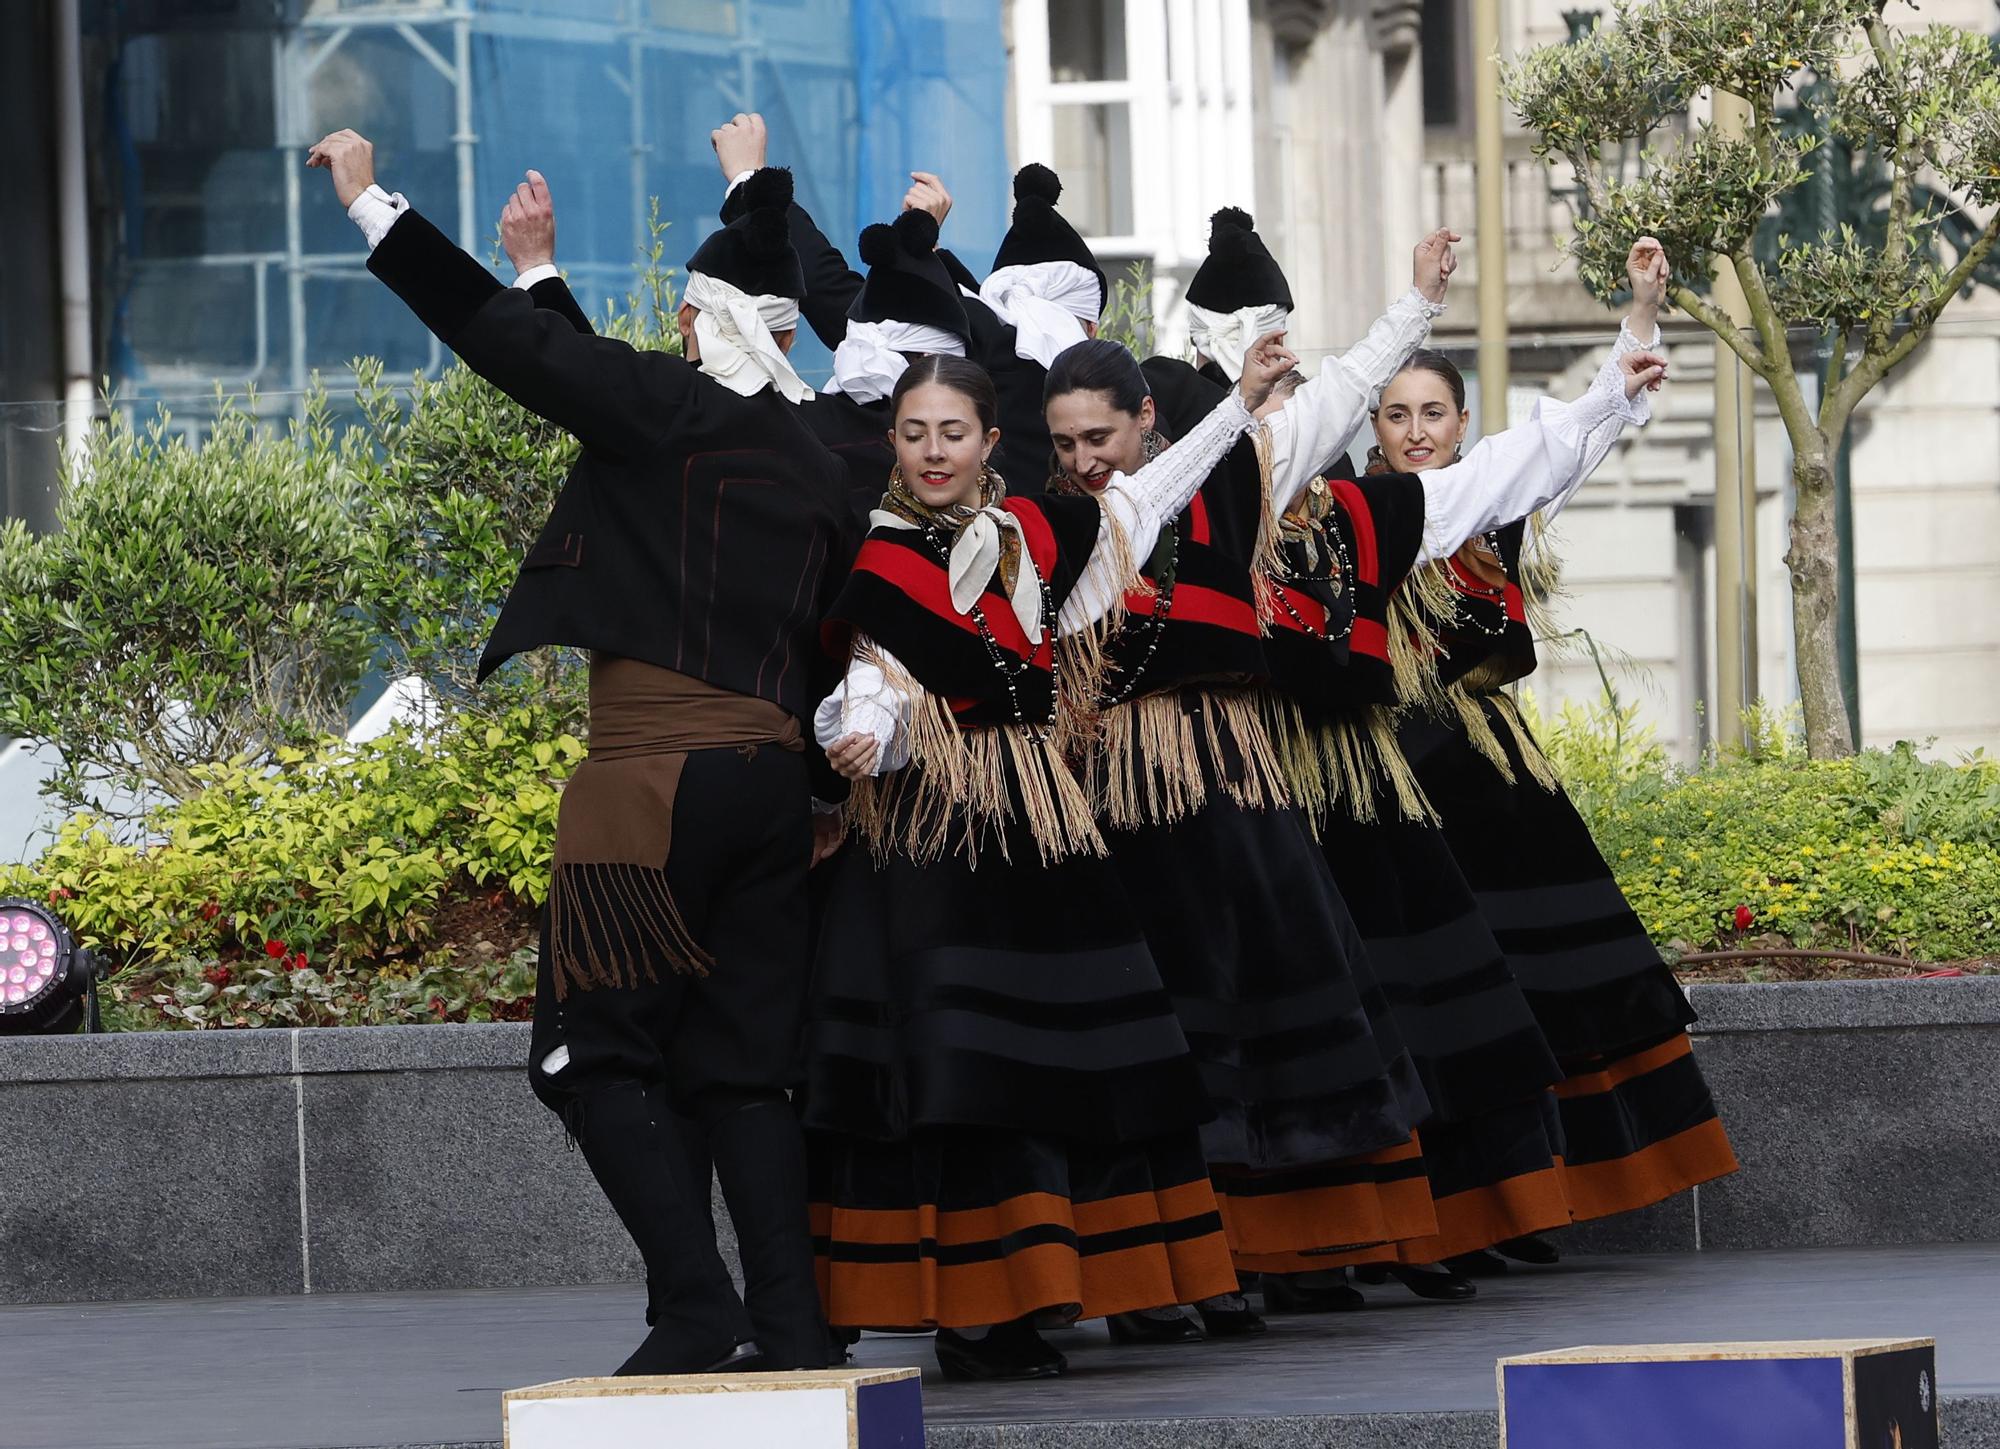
pixel 927 193
pixel 349 157
pixel 528 225
pixel 740 144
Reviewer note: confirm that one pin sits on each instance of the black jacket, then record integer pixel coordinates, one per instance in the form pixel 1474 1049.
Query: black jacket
pixel 701 531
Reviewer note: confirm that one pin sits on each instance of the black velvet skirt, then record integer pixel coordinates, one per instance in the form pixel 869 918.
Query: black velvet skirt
pixel 1270 981
pixel 1638 1122
pixel 1002 1111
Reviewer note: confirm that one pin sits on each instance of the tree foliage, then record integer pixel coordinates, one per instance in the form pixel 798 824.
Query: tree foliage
pixel 1922 104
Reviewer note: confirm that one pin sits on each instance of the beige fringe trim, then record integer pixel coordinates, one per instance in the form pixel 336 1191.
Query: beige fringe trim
pixel 1152 750
pixel 1479 730
pixel 960 786
pixel 610 921
pixel 1267 563
pixel 1417 612
pixel 1345 763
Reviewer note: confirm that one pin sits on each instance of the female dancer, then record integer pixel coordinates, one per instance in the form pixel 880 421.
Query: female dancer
pixel 1492 1144
pixel 1637 1121
pixel 1312 1148
pixel 1003 1109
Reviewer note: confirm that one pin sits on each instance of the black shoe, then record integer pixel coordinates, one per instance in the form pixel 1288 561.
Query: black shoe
pixel 1435 1284
pixel 647 1360
pixel 1534 1251
pixel 760 1159
pixel 1139 1328
pixel 1301 1293
pixel 1008 1351
pixel 1231 1322
pixel 1483 1264
pixel 697 1320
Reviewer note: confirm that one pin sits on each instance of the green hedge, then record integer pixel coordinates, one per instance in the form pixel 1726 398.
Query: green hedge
pixel 392 881
pixel 1885 852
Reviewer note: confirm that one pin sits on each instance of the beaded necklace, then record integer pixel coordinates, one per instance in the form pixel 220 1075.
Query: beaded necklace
pixel 1010 673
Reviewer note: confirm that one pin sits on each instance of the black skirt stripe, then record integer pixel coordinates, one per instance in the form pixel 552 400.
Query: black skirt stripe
pixel 1446 983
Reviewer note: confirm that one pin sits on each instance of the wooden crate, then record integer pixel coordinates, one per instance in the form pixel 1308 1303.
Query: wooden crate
pixel 1860 1393
pixel 815 1409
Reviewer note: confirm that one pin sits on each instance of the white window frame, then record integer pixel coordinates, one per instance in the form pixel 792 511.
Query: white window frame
pixel 1188 82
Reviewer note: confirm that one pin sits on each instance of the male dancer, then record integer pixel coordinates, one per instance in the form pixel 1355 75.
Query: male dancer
pixel 692 551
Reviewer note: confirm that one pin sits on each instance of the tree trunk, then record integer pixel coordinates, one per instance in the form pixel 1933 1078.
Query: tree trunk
pixel 1813 560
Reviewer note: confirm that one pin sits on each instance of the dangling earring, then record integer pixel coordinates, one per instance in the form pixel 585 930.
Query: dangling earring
pixel 1375 459
pixel 1458 448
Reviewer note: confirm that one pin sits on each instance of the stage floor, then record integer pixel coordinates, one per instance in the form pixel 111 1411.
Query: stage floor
pixel 366 1371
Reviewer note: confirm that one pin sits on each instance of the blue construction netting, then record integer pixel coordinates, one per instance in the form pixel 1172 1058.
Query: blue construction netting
pixel 225 260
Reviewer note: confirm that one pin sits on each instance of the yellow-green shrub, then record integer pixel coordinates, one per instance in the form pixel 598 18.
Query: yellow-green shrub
pixel 312 891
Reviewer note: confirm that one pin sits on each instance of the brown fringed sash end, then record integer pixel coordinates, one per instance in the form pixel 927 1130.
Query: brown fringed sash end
pixel 611 923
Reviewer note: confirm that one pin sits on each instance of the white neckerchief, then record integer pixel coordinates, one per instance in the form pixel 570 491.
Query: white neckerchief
pixel 733 329
pixel 1046 303
pixel 1225 337
pixel 975 554
pixel 870 357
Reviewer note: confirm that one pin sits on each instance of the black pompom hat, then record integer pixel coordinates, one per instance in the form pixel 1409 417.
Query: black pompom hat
pixel 754 251
pixel 1239 271
pixel 907 279
pixel 1040 233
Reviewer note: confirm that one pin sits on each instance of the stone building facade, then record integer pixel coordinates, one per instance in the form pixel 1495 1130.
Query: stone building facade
pixel 1346 127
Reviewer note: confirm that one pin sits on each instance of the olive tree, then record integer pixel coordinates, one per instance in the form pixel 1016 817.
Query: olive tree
pixel 1926 102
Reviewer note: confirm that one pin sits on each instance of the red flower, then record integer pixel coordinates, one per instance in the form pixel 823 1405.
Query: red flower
pixel 216 976
pixel 60 893
pixel 438 1005
pixel 274 949
pixel 298 962
pixel 1744 918
pixel 210 910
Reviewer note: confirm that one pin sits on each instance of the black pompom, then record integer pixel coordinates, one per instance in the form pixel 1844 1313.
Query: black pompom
pixel 878 245
pixel 765 232
pixel 771 186
pixel 1036 182
pixel 917 231
pixel 1230 218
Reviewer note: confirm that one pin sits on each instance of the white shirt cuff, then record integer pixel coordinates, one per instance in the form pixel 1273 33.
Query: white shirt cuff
pixel 536 275
pixel 375 211
pixel 735 181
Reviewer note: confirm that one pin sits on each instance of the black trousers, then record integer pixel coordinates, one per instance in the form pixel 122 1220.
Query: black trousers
pixel 742 841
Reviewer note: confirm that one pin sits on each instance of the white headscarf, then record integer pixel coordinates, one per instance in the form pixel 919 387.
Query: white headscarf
pixel 870 357
pixel 1225 337
pixel 734 331
pixel 1046 303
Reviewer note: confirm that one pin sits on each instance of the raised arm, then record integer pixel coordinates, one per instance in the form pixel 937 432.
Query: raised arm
pixel 1140 504
pixel 1511 474
pixel 831 285
pixel 1310 433
pixel 613 398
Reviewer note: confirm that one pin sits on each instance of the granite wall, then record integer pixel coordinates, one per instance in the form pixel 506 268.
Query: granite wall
pixel 251 1162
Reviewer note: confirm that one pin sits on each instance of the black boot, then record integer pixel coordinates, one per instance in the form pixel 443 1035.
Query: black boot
pixel 698 1322
pixel 760 1158
pixel 1438 1285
